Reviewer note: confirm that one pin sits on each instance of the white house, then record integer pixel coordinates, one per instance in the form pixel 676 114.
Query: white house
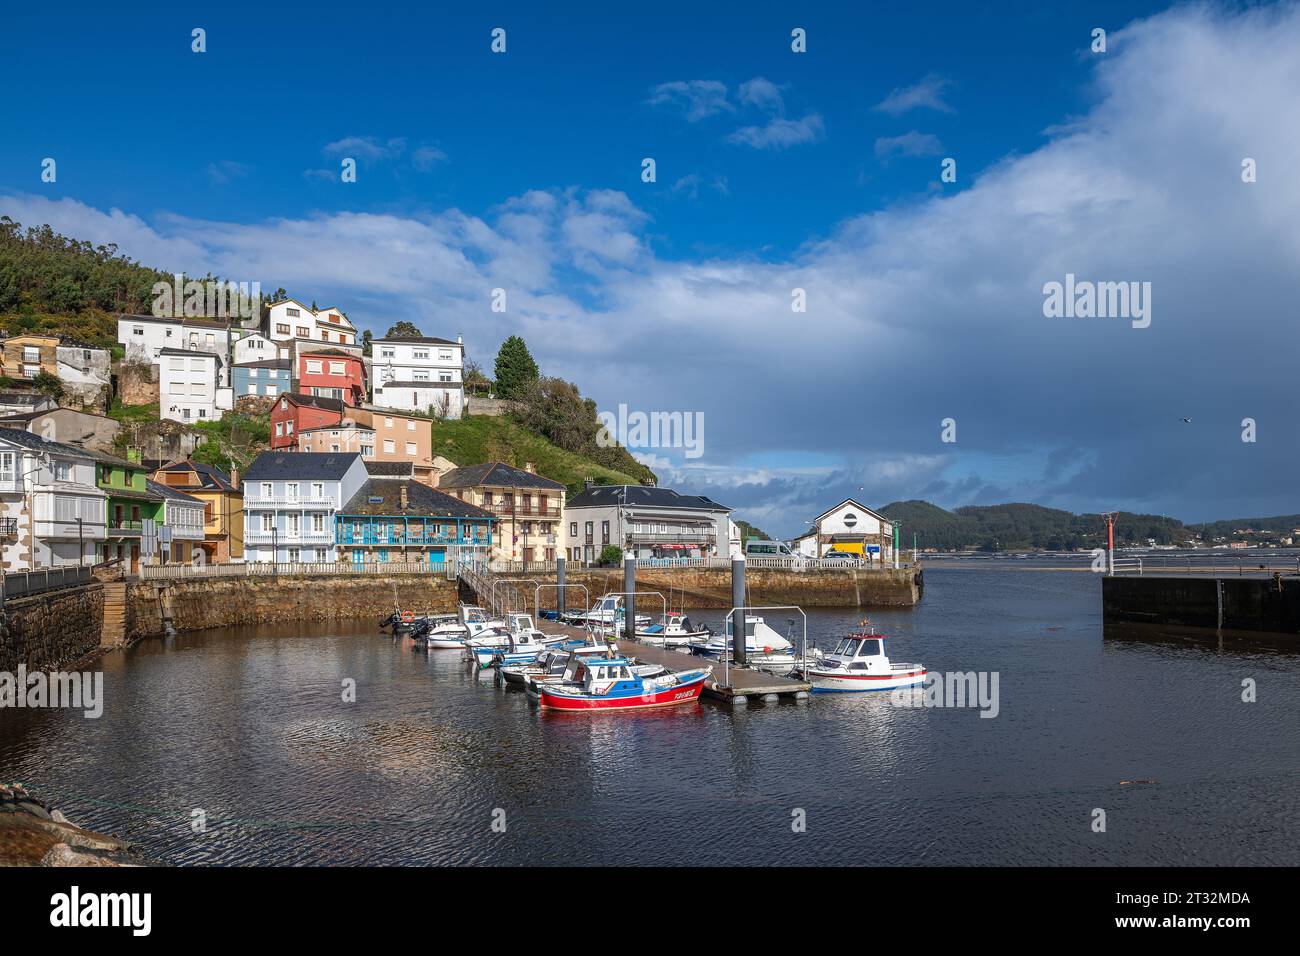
pixel 187 386
pixel 419 373
pixel 52 513
pixel 850 527
pixel 290 319
pixel 290 500
pixel 256 347
pixel 183 515
pixel 144 337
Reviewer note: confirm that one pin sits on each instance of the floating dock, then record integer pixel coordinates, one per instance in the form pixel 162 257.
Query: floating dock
pixel 745 683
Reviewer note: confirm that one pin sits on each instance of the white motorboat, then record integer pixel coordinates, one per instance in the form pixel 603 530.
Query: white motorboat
pixel 676 631
pixel 859 663
pixel 765 649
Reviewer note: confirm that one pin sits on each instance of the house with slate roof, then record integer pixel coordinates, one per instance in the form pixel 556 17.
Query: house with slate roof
pixel 646 522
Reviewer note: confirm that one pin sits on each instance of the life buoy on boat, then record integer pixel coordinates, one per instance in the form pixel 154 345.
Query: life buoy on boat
pixel 408 617
pixel 767 650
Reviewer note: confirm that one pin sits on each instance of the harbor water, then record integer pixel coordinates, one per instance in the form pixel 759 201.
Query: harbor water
pixel 238 747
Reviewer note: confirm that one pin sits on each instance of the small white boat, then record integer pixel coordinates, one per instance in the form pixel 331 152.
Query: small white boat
pixel 765 649
pixel 858 663
pixel 608 612
pixel 472 622
pixel 676 631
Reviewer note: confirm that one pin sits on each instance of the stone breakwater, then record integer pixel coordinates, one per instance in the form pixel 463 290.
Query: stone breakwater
pixel 50 630
pixel 711 587
pixel 33 834
pixel 193 605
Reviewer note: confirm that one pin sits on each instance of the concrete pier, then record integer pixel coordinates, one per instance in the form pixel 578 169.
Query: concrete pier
pixel 1267 604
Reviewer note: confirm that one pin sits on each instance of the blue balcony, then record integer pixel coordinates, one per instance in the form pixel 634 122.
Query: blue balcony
pixel 384 532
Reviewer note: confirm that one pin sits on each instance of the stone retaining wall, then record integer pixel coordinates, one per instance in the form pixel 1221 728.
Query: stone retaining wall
pixel 47 631
pixel 711 587
pixel 220 602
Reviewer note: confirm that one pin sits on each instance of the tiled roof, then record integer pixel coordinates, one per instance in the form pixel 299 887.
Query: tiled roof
pixel 414 340
pixel 646 496
pixel 26 439
pixel 421 500
pixel 210 478
pixel 164 491
pixel 390 469
pixel 290 465
pixel 315 401
pixel 497 475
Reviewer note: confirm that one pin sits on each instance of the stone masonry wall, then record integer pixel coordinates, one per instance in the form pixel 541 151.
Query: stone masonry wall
pixel 47 631
pixel 711 587
pixel 194 605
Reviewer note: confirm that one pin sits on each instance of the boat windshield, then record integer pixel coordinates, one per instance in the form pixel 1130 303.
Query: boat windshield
pixel 848 647
pixel 871 648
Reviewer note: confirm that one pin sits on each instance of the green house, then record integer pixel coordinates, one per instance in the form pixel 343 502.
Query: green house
pixel 130 504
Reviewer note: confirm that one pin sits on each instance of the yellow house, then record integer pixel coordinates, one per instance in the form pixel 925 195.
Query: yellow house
pixel 223 518
pixel 26 355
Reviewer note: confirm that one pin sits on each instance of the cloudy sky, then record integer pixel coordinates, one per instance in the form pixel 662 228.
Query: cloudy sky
pixel 775 171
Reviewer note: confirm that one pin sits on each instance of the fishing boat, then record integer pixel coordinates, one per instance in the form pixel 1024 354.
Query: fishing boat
pixel 617 683
pixel 765 649
pixel 608 612
pixel 523 647
pixel 859 663
pixel 564 666
pixel 472 622
pixel 676 631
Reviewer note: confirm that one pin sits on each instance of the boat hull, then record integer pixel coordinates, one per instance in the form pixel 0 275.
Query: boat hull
pixel 685 693
pixel 827 682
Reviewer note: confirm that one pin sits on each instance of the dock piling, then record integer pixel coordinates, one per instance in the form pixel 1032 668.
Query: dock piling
pixel 738 650
pixel 629 598
pixel 559 597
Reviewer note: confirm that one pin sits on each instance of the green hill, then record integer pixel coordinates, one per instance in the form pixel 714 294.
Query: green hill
pixel 1014 527
pixel 478 439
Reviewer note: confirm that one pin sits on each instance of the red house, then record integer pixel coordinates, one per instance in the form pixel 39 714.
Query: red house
pixel 332 373
pixel 294 412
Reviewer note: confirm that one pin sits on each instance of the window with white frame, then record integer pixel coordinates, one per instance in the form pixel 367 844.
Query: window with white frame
pixel 390 446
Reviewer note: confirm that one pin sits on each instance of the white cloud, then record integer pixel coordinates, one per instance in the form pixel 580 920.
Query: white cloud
pixel 915 313
pixel 699 99
pixel 909 144
pixel 780 133
pixel 366 147
pixel 761 93
pixel 927 94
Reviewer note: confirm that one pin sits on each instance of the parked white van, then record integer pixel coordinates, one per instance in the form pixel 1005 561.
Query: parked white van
pixel 767 549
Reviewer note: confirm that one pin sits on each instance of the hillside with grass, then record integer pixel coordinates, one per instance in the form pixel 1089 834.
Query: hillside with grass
pixel 478 439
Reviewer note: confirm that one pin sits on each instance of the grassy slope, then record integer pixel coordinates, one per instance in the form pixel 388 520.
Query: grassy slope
pixel 478 439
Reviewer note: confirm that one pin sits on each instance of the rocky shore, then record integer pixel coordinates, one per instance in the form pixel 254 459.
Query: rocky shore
pixel 33 834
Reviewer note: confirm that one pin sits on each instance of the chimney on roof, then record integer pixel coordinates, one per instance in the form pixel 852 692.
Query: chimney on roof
pixel 587 483
pixel 460 340
pixel 402 496
pixel 234 477
pixel 530 467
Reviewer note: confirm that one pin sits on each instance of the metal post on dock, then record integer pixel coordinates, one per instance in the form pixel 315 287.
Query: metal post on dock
pixel 629 599
pixel 738 651
pixel 559 597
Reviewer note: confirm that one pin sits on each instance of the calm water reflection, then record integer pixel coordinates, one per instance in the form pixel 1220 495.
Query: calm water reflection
pixel 249 725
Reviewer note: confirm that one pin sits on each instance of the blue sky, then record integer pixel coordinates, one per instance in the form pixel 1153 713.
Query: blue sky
pixel 775 170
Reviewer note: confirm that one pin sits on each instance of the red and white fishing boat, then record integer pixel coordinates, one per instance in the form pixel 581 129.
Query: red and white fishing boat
pixel 621 684
pixel 858 663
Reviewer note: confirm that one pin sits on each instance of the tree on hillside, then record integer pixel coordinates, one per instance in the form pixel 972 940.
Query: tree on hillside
pixel 476 383
pixel 365 342
pixel 404 329
pixel 515 368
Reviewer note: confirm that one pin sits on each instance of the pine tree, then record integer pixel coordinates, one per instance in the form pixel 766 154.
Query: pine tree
pixel 515 368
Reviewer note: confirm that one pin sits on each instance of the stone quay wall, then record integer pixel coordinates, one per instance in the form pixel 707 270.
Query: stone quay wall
pixel 47 631
pixel 192 605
